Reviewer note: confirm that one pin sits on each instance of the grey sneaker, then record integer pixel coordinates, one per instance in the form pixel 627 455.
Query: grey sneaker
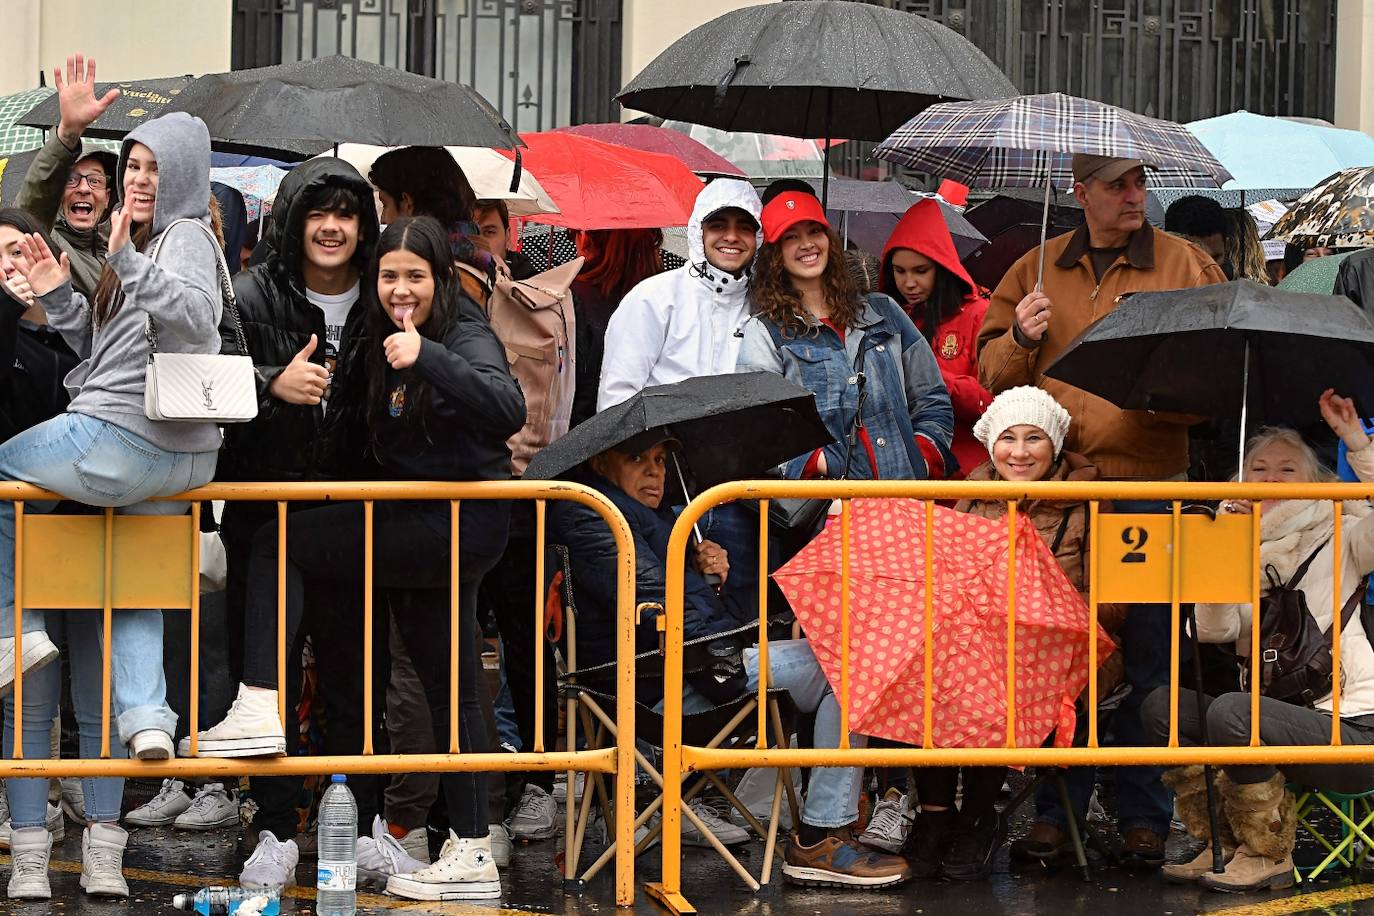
pixel 212 807
pixel 272 865
pixel 501 845
pixel 535 817
pixel 163 808
pixel 73 800
pixel 729 834
pixel 381 855
pixel 55 824
pixel 890 824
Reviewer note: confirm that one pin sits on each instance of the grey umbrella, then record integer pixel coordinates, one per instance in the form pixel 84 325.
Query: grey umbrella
pixel 813 68
pixel 867 212
pixel 290 110
pixel 139 101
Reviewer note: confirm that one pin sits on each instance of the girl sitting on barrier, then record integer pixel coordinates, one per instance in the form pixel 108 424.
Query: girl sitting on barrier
pixel 441 405
pixel 1257 812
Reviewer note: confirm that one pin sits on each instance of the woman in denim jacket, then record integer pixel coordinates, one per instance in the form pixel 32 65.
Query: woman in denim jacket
pixel 876 382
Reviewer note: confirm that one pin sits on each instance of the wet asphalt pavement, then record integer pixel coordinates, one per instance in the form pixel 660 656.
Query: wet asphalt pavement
pixel 163 861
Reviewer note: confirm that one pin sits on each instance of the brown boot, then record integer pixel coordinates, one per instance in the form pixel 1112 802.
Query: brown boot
pixel 1264 818
pixel 1190 804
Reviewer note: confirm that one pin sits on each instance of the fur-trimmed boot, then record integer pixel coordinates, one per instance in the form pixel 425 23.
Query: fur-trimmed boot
pixel 1264 818
pixel 1190 803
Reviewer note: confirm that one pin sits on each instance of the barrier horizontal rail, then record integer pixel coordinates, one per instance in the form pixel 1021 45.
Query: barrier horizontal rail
pixel 136 531
pixel 1161 580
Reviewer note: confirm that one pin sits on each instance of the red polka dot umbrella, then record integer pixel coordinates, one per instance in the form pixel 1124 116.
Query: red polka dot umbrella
pixel 887 608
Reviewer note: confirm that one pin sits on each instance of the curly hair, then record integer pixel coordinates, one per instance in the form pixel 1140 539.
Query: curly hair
pixel 776 297
pixel 1243 247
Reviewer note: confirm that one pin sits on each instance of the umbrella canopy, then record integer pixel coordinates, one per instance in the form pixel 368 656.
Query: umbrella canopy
pixel 290 110
pixel 1315 276
pixel 486 170
pixel 1195 350
pixel 255 183
pixel 1158 200
pixel 969 626
pixel 813 68
pixel 865 213
pixel 1024 141
pixel 1264 152
pixel 139 101
pixel 717 418
pixel 603 186
pixel 761 157
pixel 15 138
pixel 1336 213
pixel 1011 222
pixel 698 157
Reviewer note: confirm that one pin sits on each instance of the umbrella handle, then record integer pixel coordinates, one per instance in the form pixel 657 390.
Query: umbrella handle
pixel 1044 230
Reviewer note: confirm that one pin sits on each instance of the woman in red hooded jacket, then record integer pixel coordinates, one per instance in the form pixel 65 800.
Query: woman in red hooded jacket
pixel 921 270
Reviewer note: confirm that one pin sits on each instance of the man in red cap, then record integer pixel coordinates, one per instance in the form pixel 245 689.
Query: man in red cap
pixel 1085 273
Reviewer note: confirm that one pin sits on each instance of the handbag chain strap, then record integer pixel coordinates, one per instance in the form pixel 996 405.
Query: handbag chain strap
pixel 226 289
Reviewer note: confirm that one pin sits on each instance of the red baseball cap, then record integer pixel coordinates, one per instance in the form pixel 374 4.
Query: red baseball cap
pixel 789 208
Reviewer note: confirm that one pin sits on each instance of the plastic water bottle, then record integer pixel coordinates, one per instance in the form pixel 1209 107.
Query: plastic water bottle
pixel 211 901
pixel 337 872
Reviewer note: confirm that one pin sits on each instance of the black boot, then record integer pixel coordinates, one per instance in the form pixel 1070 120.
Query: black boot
pixel 969 857
pixel 929 841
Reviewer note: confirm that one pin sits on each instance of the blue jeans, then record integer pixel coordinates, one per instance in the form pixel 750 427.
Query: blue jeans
pixel 832 797
pixel 1141 799
pixel 736 528
pixel 42 691
pixel 98 463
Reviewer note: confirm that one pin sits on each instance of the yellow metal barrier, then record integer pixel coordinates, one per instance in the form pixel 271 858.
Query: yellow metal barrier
pixel 1171 558
pixel 108 562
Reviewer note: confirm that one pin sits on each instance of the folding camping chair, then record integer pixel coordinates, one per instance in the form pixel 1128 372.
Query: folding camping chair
pixel 1356 816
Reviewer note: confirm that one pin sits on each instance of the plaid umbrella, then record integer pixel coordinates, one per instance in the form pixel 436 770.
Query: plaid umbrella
pixel 1022 141
pixel 1337 213
pixel 14 138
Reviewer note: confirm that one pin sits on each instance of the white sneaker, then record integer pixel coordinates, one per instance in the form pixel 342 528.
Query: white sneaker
pixel 272 865
pixel 501 846
pixel 416 844
pixel 212 807
pixel 151 744
pixel 560 787
pixel 54 822
pixel 729 834
pixel 102 860
pixel 39 650
pixel 535 817
pixel 163 808
pixel 465 871
pixel 73 799
pixel 251 728
pixel 890 824
pixel 381 855
pixel 29 864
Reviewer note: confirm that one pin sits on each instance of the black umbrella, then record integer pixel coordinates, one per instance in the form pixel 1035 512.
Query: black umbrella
pixel 731 427
pixel 813 68
pixel 1224 348
pixel 867 212
pixel 1011 223
pixel 289 110
pixel 139 101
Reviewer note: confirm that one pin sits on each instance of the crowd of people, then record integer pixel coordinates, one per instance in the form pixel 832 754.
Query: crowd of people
pixel 367 311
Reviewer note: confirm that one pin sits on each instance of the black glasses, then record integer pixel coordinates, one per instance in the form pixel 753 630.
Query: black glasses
pixel 96 181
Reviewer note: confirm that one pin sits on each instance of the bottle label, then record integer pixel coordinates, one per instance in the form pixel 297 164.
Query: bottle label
pixel 336 877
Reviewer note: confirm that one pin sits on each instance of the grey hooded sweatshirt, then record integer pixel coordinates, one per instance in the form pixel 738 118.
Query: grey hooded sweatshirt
pixel 180 291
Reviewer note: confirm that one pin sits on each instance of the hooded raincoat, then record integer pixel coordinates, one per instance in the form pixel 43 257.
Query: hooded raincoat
pixel 682 323
pixel 954 340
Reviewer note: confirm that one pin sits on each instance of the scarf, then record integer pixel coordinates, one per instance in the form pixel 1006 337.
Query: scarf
pixel 464 249
pixel 1294 529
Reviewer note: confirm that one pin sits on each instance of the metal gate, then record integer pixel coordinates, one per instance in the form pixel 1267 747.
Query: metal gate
pixel 542 63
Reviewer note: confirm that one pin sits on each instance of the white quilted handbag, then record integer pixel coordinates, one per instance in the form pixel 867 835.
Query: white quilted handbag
pixel 201 387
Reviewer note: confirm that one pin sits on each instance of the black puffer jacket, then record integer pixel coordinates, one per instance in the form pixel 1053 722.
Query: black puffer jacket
pixel 291 441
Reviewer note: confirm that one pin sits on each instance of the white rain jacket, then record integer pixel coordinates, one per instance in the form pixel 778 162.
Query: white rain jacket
pixel 682 323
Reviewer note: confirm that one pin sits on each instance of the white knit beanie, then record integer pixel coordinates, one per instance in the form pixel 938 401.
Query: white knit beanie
pixel 1023 405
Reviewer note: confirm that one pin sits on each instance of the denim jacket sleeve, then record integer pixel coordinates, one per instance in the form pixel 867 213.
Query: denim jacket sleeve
pixel 758 353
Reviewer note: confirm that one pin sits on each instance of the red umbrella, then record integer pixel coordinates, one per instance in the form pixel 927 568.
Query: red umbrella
pixel 604 186
pixel 696 156
pixel 969 626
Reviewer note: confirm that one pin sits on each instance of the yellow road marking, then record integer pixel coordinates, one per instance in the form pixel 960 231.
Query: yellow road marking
pixel 1300 903
pixel 308 893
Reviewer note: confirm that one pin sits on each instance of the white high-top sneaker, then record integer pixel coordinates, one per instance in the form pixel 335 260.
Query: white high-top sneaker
pixel 465 870
pixel 29 851
pixel 251 728
pixel 38 651
pixel 102 860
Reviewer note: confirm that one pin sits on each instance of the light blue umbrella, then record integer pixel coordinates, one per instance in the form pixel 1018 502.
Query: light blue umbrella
pixel 1263 152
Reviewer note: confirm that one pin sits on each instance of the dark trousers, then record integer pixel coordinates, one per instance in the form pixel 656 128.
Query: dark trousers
pixel 937 786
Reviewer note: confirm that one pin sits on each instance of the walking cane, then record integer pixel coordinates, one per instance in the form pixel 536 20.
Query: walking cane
pixel 1218 866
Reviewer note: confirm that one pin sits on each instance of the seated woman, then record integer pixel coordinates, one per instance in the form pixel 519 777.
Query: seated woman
pixel 1258 818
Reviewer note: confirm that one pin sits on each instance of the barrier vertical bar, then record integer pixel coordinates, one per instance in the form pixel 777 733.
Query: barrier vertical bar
pixel 195 625
pixel 928 625
pixel 844 623
pixel 19 630
pixel 764 670
pixel 1094 550
pixel 453 617
pixel 1174 558
pixel 281 611
pixel 625 706
pixel 1255 532
pixel 367 626
pixel 108 618
pixel 539 516
pixel 1337 605
pixel 1011 622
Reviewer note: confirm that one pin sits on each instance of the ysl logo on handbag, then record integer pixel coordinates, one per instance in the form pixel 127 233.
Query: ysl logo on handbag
pixel 207 388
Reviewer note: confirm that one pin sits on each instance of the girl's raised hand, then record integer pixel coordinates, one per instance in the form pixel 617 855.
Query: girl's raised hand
pixel 1339 414
pixel 120 224
pixel 44 272
pixel 403 347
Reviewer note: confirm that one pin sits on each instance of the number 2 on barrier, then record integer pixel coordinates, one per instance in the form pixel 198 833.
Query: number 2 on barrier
pixel 1135 537
pixel 1136 558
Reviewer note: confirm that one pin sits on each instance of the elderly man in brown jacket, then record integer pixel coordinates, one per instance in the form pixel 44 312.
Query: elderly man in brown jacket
pixel 1086 272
